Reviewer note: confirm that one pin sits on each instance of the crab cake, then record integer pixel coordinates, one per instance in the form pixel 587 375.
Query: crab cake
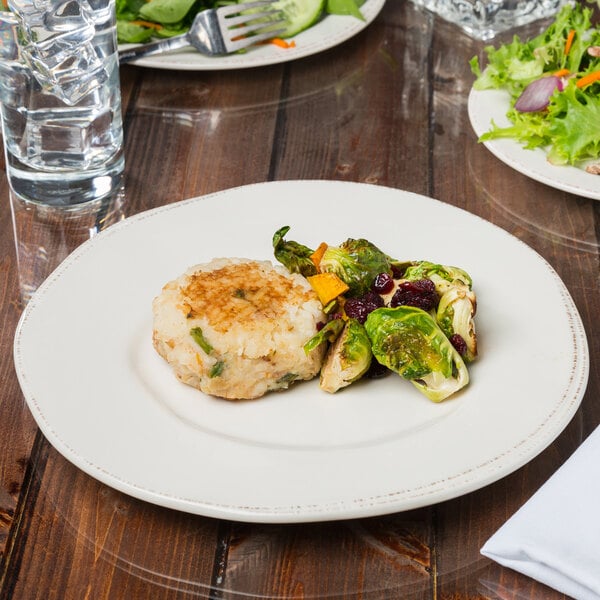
pixel 236 328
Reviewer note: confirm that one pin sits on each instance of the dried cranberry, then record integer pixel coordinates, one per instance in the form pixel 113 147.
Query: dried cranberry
pixel 459 343
pixel 373 300
pixel 377 370
pixel 383 284
pixel 398 272
pixel 359 308
pixel 355 309
pixel 420 293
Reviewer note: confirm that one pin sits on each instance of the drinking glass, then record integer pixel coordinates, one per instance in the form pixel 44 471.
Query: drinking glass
pixel 60 100
pixel 484 19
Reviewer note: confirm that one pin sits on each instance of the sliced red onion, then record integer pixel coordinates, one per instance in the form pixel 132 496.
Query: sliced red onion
pixel 536 95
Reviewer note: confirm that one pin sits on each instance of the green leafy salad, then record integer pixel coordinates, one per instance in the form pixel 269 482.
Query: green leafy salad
pixel 554 85
pixel 140 20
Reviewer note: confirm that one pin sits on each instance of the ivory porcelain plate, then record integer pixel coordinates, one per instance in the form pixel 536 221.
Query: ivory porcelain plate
pixel 111 405
pixel 331 31
pixel 486 106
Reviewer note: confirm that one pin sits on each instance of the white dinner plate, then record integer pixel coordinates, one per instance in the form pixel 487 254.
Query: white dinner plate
pixel 486 106
pixel 331 31
pixel 111 405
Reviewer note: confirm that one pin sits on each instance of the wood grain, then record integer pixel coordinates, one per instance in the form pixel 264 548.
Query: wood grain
pixel 387 107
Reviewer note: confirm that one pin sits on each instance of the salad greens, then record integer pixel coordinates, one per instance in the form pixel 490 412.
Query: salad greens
pixel 382 319
pixel 140 20
pixel 566 123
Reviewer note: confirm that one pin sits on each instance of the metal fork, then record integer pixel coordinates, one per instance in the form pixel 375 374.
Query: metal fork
pixel 218 31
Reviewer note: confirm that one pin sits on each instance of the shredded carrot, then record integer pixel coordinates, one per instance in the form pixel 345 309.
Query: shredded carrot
pixel 281 43
pixel 588 79
pixel 569 41
pixel 5 3
pixel 561 73
pixel 147 24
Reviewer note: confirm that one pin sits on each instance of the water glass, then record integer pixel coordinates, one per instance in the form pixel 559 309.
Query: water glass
pixel 484 19
pixel 60 100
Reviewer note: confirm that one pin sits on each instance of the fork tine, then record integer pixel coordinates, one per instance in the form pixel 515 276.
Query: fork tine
pixel 250 41
pixel 257 27
pixel 240 19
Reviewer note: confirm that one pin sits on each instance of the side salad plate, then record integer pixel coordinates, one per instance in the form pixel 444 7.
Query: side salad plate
pixel 110 405
pixel 329 32
pixel 487 106
pixel 535 102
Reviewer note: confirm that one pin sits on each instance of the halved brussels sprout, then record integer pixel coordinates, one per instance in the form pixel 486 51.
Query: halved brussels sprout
pixel 443 276
pixel 356 263
pixel 347 359
pixel 455 314
pixel 408 341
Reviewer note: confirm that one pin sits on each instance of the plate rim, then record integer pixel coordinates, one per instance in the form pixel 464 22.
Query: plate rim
pixel 342 509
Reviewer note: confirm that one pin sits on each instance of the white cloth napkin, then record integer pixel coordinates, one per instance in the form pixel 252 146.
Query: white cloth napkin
pixel 555 537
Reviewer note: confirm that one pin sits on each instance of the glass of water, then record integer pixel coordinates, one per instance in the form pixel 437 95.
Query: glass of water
pixel 60 100
pixel 484 19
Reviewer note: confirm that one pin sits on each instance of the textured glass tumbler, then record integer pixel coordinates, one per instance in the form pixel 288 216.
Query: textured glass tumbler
pixel 61 100
pixel 484 19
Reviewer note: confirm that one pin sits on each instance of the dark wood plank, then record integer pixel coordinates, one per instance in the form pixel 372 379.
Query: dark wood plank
pixel 561 228
pixel 17 429
pixel 372 558
pixel 82 539
pixel 190 134
pixel 350 111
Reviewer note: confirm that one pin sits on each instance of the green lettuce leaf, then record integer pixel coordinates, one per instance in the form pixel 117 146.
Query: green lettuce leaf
pixel 573 126
pixel 130 33
pixel 569 128
pixel 166 12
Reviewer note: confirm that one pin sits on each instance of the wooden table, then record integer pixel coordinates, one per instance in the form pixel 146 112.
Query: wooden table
pixel 387 107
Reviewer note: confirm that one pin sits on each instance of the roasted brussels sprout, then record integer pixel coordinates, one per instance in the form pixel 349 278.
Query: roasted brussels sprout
pixel 444 277
pixel 293 255
pixel 455 313
pixel 356 263
pixel 328 333
pixel 457 305
pixel 347 359
pixel 408 341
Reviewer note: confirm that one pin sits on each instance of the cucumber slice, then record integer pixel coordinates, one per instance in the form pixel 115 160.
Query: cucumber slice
pixel 299 14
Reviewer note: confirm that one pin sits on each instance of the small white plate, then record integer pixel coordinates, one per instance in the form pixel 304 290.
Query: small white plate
pixel 331 31
pixel 486 106
pixel 112 406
